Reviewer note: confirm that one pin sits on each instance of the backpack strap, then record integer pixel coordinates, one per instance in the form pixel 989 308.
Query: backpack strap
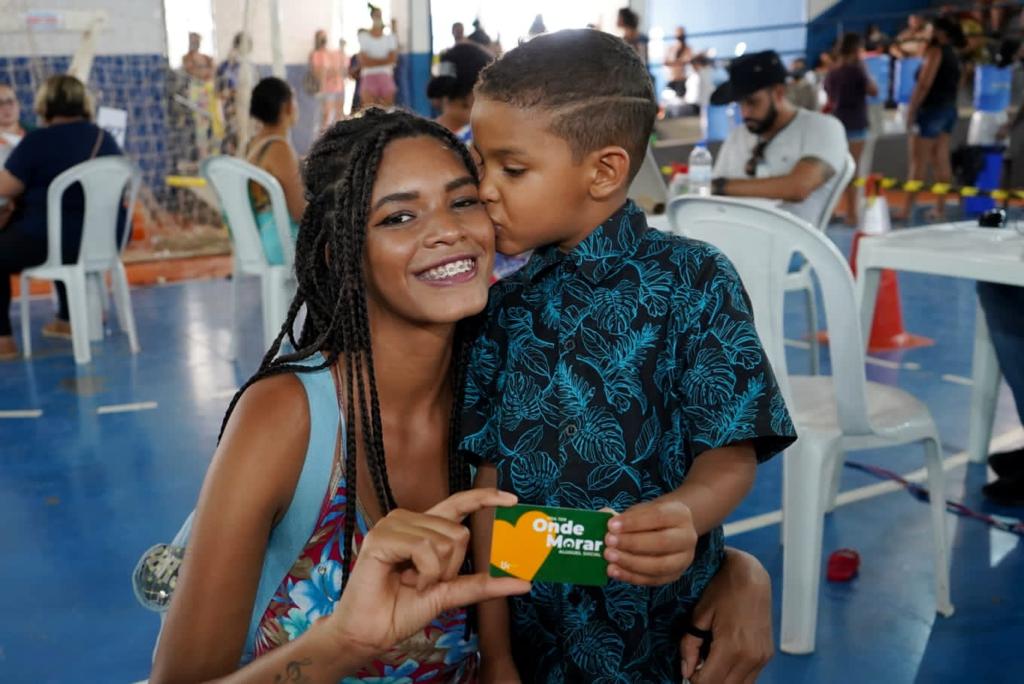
pixel 290 536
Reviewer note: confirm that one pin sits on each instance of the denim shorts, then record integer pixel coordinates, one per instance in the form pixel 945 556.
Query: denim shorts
pixel 934 121
pixel 859 135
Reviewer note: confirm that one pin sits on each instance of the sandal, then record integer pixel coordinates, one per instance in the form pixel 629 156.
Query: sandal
pixel 843 565
pixel 55 329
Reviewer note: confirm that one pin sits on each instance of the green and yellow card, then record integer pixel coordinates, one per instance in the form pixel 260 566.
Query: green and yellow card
pixel 546 544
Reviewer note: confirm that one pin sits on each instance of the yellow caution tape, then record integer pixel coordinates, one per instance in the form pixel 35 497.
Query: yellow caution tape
pixel 940 188
pixel 860 182
pixel 1000 195
pixel 185 181
pixel 968 192
pixel 913 185
pixel 888 183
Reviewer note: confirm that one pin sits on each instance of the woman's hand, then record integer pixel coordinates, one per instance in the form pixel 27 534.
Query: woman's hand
pixel 407 573
pixel 736 608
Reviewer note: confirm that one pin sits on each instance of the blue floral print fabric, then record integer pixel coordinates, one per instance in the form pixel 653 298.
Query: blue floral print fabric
pixel 599 377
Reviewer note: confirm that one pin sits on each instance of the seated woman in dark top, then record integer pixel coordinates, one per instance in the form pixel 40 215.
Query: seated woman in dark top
pixel 68 138
pixel 848 86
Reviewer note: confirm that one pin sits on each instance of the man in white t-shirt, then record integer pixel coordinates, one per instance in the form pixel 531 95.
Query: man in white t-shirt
pixel 782 152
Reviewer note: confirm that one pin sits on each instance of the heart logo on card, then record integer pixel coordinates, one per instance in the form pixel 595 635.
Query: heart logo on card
pixel 523 542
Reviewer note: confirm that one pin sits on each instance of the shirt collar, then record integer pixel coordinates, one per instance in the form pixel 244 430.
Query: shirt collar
pixel 600 254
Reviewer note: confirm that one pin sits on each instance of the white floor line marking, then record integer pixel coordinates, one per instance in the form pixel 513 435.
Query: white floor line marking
pixel 21 413
pixel 958 379
pixel 126 408
pixel 798 344
pixel 884 363
pixel 1004 441
pixel 224 394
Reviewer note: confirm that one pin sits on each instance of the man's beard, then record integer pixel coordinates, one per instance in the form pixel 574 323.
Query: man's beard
pixel 759 126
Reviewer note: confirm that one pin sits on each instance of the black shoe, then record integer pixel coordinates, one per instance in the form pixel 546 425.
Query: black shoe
pixel 1006 491
pixel 1007 463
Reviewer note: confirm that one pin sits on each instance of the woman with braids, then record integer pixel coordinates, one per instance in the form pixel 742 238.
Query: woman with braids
pixel 392 260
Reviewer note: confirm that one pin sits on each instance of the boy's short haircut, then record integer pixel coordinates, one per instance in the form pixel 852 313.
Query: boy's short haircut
pixel 593 83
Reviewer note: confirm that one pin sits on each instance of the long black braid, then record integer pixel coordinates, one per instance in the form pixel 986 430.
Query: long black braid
pixel 339 175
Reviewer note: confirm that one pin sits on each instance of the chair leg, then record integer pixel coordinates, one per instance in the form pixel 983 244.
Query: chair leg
pixel 236 332
pixel 984 392
pixel 78 307
pixel 937 487
pixel 812 323
pixel 802 527
pixel 26 328
pixel 95 296
pixel 123 303
pixel 834 476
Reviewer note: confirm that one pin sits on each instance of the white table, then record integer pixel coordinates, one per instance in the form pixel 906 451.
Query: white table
pixel 957 250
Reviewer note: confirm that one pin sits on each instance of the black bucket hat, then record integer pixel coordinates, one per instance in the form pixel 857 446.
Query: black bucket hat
pixel 748 74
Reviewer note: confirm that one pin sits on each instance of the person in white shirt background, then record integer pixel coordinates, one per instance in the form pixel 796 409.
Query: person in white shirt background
pixel 378 55
pixel 782 152
pixel 11 133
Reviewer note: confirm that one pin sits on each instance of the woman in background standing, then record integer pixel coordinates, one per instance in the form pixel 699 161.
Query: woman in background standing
pixel 848 87
pixel 329 68
pixel 378 55
pixel 932 112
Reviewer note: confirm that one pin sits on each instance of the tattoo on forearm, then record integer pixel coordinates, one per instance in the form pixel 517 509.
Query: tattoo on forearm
pixel 293 672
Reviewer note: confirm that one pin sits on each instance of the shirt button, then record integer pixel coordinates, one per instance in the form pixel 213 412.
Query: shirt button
pixel 570 430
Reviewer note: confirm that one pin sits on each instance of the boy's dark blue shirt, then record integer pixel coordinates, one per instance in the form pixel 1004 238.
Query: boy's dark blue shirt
pixel 599 377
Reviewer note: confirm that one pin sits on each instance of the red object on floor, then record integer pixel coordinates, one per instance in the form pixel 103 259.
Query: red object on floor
pixel 843 565
pixel 887 331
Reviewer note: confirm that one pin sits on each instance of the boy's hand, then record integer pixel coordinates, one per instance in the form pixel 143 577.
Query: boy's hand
pixel 651 544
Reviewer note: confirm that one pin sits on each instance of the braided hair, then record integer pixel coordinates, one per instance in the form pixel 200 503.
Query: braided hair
pixel 339 175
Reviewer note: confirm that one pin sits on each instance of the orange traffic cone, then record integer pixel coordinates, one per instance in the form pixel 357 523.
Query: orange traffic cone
pixel 887 331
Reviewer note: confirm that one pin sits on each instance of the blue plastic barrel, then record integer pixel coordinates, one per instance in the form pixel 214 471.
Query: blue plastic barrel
pixel 992 88
pixel 880 69
pixel 906 77
pixel 988 179
pixel 718 123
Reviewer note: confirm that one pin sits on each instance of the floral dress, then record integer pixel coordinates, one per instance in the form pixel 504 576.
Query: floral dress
pixel 441 652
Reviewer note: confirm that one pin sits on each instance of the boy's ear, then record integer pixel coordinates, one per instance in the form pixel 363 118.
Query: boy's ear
pixel 610 171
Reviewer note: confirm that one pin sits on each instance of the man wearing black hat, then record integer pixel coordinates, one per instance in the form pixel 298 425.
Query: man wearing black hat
pixel 781 152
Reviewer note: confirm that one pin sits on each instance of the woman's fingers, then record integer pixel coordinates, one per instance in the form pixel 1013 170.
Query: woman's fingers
pixel 458 506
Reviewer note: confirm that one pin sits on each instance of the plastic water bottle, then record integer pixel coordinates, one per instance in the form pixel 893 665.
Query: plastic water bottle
pixel 700 171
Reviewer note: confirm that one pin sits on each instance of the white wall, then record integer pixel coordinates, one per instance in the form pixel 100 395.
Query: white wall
pixel 300 20
pixel 134 27
pixel 816 7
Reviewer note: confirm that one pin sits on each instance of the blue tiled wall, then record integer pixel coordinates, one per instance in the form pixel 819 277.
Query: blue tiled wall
pixel 135 83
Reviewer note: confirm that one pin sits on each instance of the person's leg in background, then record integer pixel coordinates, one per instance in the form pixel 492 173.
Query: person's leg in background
pixel 921 153
pixel 17 252
pixel 943 169
pixel 856 142
pixel 1003 307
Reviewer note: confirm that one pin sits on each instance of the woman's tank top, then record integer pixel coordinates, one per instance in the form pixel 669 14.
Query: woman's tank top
pixel 441 652
pixel 944 88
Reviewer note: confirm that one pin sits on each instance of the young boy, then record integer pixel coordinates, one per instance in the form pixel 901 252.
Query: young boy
pixel 619 368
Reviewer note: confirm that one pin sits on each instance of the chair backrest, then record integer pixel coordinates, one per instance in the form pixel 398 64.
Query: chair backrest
pixel 845 176
pixel 103 183
pixel 648 189
pixel 230 178
pixel 760 241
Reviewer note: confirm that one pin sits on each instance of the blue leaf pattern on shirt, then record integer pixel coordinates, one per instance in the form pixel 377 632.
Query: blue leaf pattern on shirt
pixel 599 376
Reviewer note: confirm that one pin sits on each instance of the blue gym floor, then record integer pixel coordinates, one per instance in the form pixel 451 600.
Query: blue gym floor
pixel 83 491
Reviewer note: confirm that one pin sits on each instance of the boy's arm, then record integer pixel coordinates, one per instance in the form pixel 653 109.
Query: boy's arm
pixel 653 543
pixel 495 641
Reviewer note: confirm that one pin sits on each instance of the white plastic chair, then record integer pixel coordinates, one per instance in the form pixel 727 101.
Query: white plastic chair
pixel 230 178
pixel 801 281
pixel 648 188
pixel 833 414
pixel 103 184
